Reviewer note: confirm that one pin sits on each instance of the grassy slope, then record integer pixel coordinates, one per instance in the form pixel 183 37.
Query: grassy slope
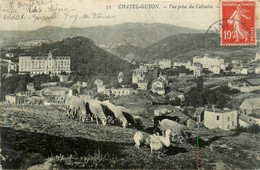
pixel 38 132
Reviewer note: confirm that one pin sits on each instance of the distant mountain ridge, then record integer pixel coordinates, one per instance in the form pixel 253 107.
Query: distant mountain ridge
pixel 139 34
pixel 183 47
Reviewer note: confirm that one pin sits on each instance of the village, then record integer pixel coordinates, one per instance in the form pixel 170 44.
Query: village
pixel 168 81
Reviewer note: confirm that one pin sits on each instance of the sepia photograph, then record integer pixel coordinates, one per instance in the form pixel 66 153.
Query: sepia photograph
pixel 127 84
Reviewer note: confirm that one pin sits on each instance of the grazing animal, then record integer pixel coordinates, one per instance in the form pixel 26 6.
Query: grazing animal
pixel 153 130
pixel 96 110
pixel 139 123
pixel 158 142
pixel 156 119
pixel 109 113
pixel 76 105
pixel 141 138
pixel 176 128
pixel 117 112
pixel 127 114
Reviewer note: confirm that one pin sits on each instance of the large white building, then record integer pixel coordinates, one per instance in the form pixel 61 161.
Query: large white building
pixel 44 64
pixel 225 120
pixel 163 64
pixel 208 62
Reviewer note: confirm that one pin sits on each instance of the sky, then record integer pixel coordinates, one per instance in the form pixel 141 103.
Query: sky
pixel 15 14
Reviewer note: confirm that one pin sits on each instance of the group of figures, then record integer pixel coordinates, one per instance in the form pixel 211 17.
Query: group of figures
pixel 92 109
pixel 165 130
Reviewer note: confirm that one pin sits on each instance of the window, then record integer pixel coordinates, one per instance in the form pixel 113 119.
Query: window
pixel 228 127
pixel 228 118
pixel 217 117
pixel 233 123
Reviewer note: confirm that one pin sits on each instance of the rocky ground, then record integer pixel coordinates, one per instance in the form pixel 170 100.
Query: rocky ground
pixel 43 137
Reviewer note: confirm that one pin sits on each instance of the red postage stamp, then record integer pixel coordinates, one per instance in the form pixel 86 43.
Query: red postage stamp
pixel 238 23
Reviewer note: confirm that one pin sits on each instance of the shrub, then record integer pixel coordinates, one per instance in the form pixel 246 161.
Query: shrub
pixel 254 129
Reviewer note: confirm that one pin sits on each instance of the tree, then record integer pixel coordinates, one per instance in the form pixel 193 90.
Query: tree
pixel 221 102
pixel 211 97
pixel 134 86
pixel 199 82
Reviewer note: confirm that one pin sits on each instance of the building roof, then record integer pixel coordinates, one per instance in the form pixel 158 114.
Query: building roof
pixel 56 88
pixel 173 94
pixel 253 82
pixel 199 111
pixel 30 84
pixel 250 103
pixel 75 86
pixel 158 80
pixel 142 81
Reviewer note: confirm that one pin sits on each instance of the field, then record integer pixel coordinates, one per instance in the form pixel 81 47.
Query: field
pixel 43 137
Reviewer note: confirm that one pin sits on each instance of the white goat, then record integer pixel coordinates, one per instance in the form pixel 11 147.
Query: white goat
pixel 158 142
pixel 141 138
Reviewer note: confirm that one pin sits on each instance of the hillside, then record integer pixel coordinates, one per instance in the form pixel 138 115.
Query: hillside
pixel 48 137
pixel 186 46
pixel 86 57
pixel 127 52
pixel 140 34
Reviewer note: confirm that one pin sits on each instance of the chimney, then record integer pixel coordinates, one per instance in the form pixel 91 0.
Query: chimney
pixel 213 108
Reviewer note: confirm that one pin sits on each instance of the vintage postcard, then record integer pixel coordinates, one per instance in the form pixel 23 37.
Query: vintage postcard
pixel 130 84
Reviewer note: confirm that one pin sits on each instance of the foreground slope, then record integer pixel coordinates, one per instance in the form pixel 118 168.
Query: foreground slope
pixel 31 134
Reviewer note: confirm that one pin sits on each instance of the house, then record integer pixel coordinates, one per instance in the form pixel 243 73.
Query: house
pixel 101 89
pixel 182 75
pixel 64 78
pixel 207 61
pixel 215 69
pixel 15 99
pixel 82 83
pixel 257 70
pixel 12 67
pixel 257 56
pixel 235 62
pixel 55 91
pixel 223 66
pixel 120 77
pixel 224 119
pixel 236 69
pixel 161 111
pixel 121 91
pixel 143 68
pixel 158 86
pixel 199 114
pixel 30 87
pixel 142 84
pixel 179 64
pixel 172 95
pixel 98 82
pixel 164 78
pixel 244 71
pixel 250 106
pixel 75 90
pixel 197 69
pixel 9 55
pixel 163 64
pixel 137 75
